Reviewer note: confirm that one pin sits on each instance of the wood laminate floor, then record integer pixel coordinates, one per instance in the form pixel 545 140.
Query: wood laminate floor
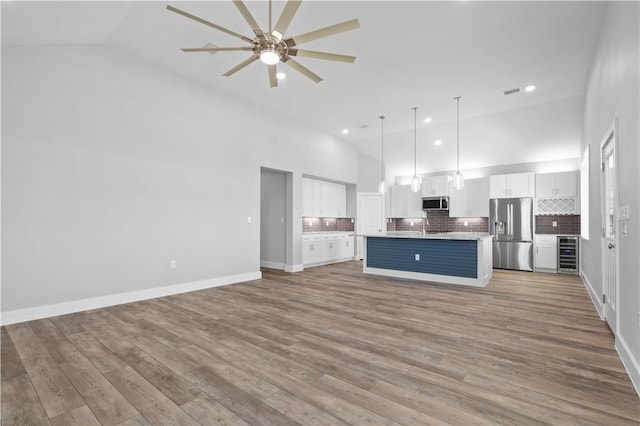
pixel 325 346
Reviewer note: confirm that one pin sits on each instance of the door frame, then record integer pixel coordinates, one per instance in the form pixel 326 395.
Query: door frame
pixel 610 135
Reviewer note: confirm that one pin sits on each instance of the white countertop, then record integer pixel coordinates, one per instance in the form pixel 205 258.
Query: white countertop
pixel 436 236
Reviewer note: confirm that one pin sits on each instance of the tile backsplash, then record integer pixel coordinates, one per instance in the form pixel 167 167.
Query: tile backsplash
pixel 566 224
pixel 327 224
pixel 439 221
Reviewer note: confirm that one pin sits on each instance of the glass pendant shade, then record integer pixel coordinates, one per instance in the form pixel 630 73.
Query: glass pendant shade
pixel 415 184
pixel 458 181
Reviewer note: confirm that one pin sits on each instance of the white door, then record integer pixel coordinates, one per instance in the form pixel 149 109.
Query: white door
pixel 370 217
pixel 609 231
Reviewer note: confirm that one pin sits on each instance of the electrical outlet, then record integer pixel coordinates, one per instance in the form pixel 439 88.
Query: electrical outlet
pixel 282 219
pixel 417 256
pixel 554 223
pixel 351 220
pixel 174 264
pixel 327 222
pixel 466 223
pixel 249 219
pixel 411 223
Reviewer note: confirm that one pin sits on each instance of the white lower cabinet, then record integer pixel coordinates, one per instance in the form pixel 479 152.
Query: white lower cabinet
pixel 546 253
pixel 319 249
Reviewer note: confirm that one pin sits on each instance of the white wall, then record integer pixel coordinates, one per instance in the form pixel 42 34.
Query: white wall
pixel 613 91
pixel 111 168
pixel 272 219
pixel 369 173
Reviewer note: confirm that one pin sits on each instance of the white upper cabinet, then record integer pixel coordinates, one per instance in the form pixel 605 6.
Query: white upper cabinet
pixel 563 184
pixel 307 197
pixel 404 203
pixel 323 199
pixel 516 185
pixel 338 200
pixel 471 201
pixel 435 186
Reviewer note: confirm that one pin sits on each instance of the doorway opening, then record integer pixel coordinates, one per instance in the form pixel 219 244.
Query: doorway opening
pixel 275 218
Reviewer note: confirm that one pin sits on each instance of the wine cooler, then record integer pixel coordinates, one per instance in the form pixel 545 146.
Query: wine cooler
pixel 568 254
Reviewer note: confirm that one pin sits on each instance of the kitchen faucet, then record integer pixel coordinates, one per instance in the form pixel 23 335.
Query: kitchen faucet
pixel 424 219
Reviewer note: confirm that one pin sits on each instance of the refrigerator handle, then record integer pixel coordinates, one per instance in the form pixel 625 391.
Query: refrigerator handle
pixel 511 220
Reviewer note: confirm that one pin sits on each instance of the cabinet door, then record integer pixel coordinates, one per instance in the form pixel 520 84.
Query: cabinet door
pixel 414 204
pixel 521 185
pixel 428 187
pixel 338 200
pixel 399 200
pixel 441 186
pixel 478 197
pixel 567 184
pixel 459 202
pixel 498 186
pixel 545 185
pixel 546 257
pixel 307 197
pixel 321 198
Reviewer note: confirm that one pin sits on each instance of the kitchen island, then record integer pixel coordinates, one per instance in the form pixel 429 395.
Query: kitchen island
pixel 463 258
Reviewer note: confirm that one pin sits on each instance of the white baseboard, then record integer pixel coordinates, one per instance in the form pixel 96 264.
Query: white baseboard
pixel 293 268
pixel 595 299
pixel 272 265
pixel 38 312
pixel 630 363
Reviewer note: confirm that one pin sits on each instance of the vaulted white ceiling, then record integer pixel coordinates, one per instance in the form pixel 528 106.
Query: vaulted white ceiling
pixel 409 54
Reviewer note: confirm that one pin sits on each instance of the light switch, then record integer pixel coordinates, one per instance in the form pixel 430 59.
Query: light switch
pixel 282 219
pixel 249 219
pixel 174 264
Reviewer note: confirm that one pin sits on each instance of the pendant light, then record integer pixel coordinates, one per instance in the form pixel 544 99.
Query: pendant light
pixel 415 181
pixel 458 179
pixel 381 186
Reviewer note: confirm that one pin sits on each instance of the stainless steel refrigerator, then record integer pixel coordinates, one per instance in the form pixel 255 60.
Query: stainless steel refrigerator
pixel 511 225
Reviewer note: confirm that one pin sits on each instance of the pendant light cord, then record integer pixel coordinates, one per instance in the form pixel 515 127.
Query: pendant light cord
pixel 381 147
pixel 458 133
pixel 415 143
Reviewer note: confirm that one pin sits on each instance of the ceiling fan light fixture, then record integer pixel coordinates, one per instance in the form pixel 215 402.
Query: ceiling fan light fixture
pixel 269 56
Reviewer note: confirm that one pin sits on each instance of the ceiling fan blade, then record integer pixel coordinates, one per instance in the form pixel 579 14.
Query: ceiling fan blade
pixel 273 79
pixel 248 17
pixel 301 69
pixel 321 55
pixel 217 49
pixel 241 65
pixel 285 18
pixel 323 32
pixel 210 24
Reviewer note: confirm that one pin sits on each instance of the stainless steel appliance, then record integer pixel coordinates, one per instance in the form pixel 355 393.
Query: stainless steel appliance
pixel 567 255
pixel 511 225
pixel 435 203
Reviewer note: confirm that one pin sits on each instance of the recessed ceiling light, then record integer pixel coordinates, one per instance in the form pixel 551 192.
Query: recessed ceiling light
pixel 530 88
pixel 345 131
pixel 281 76
pixel 427 120
pixel 438 142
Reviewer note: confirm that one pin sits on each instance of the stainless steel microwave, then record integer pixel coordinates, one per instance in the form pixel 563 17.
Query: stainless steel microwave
pixel 435 203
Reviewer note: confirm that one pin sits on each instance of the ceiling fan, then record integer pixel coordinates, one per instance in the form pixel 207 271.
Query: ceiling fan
pixel 272 47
